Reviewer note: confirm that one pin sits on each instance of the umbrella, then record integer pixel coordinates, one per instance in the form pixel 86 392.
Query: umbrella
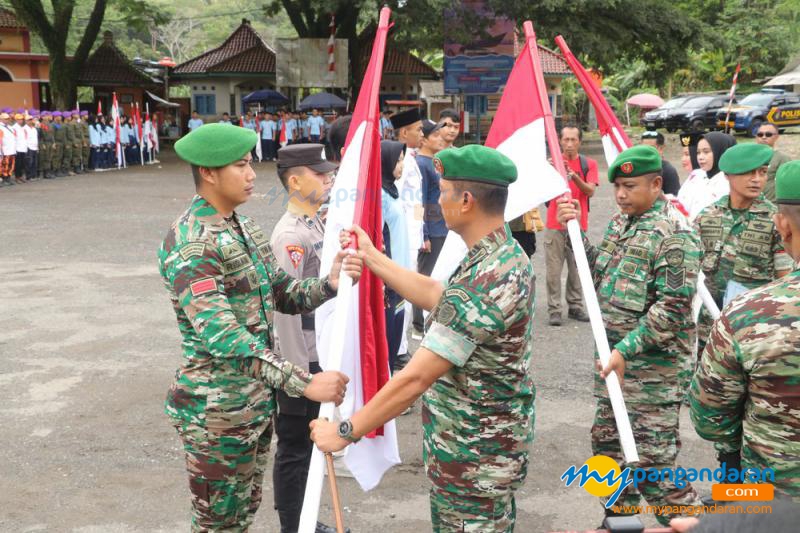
pixel 266 97
pixel 645 101
pixel 322 101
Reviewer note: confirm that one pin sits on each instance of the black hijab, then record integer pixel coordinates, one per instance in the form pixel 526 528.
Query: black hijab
pixel 390 153
pixel 719 142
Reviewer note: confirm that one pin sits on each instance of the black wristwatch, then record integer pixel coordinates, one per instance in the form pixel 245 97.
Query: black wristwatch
pixel 328 288
pixel 346 431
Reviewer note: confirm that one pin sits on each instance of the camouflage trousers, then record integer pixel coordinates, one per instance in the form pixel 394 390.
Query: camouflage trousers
pixel 451 513
pixel 655 428
pixel 226 469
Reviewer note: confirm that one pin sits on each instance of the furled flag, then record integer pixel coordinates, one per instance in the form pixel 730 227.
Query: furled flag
pixel 332 48
pixel 518 132
pixel 138 119
pixel 613 136
pixel 259 154
pixel 731 96
pixel 99 108
pixel 360 344
pixel 117 132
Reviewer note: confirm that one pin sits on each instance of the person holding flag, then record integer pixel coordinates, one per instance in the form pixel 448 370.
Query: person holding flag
pixel 645 273
pixel 297 243
pixel 473 365
pixel 225 285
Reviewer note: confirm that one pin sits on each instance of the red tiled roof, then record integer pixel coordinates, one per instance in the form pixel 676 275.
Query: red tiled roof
pixel 109 66
pixel 398 62
pixel 9 20
pixel 553 62
pixel 243 51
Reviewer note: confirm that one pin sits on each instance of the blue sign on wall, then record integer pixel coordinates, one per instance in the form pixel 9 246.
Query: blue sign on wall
pixel 476 74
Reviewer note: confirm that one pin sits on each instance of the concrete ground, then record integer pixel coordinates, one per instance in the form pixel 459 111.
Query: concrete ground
pixel 88 348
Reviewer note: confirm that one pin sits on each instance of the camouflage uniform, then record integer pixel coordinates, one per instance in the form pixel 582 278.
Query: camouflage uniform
pixel 77 146
pixel 225 284
pixel 85 147
pixel 46 142
pixel 746 392
pixel 645 273
pixel 57 156
pixel 740 245
pixel 69 147
pixel 478 417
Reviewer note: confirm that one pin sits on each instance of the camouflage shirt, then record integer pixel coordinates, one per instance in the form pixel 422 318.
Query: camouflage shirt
pixel 478 418
pixel 746 392
pixel 740 244
pixel 645 272
pixel 225 285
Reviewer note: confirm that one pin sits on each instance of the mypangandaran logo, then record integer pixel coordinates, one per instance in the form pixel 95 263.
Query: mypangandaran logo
pixel 601 476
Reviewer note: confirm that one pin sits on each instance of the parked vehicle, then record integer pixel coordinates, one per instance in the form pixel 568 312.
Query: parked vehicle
pixel 696 113
pixel 768 105
pixel 654 119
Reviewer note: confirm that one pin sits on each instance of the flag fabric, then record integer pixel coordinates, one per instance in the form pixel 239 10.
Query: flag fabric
pixel 139 140
pixel 731 95
pixel 613 136
pixel 154 133
pixel 117 132
pixel 356 199
pixel 259 154
pixel 282 135
pixel 146 137
pixel 99 107
pixel 518 131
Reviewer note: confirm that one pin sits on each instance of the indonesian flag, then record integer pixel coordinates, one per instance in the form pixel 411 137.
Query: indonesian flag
pixel 351 330
pixel 117 133
pixel 154 133
pixel 138 118
pixel 518 131
pixel 282 135
pixel 146 134
pixel 614 138
pixel 735 79
pixel 99 107
pixel 259 155
pixel 332 48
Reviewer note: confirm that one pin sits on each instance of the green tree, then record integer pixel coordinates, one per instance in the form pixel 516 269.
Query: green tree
pixel 52 25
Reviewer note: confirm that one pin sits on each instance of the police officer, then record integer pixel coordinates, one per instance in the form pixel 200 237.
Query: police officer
pixel 645 274
pixel 745 395
pixel 225 284
pixel 297 244
pixel 741 247
pixel 473 363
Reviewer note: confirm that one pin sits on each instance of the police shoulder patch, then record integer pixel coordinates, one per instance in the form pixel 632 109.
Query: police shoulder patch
pixel 296 253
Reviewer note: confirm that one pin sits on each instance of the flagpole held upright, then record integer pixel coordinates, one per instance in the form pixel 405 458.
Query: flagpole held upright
pixel 587 284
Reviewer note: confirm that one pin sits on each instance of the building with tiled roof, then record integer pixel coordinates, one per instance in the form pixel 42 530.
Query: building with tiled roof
pixel 221 77
pixel 24 76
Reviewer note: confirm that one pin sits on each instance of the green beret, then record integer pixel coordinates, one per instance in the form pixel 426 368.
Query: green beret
pixel 787 183
pixel 635 161
pixel 744 158
pixel 475 163
pixel 215 145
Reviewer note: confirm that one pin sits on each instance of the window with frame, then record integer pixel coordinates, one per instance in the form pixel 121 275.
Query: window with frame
pixel 205 104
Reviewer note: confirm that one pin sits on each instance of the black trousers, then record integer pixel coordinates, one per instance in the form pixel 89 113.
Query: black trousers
pixel 425 264
pixel 32 164
pixel 293 455
pixel 19 170
pixel 394 333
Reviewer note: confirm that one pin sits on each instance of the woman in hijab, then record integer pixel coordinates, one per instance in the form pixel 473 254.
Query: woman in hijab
pixel 706 188
pixel 395 238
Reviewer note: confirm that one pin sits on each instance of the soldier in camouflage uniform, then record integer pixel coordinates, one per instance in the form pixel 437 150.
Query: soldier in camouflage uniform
pixel 745 395
pixel 645 274
pixel 82 145
pixel 72 152
pixel 741 247
pixel 60 137
pixel 46 144
pixel 473 363
pixel 225 285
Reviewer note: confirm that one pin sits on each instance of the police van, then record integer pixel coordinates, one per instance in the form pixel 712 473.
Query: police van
pixel 768 105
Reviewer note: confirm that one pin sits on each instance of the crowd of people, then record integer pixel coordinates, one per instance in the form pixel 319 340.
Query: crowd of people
pixel 54 144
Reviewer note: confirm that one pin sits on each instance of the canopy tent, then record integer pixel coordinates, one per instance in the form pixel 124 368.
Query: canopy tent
pixel 789 78
pixel 322 100
pixel 643 101
pixel 266 97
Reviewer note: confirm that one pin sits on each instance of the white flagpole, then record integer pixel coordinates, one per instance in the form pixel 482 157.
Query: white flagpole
pixel 626 438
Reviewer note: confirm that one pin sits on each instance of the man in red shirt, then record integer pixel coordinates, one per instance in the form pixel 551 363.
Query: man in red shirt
pixel 583 181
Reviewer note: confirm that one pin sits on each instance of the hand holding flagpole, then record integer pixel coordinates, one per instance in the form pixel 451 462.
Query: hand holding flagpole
pixel 587 284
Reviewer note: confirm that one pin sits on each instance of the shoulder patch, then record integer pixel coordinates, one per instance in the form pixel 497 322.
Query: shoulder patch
pixel 674 257
pixel 192 249
pixel 296 253
pixel 673 241
pixel 446 314
pixel 457 293
pixel 203 286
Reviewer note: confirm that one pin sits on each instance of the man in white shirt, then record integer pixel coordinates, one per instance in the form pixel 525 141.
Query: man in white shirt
pixel 195 122
pixel 32 138
pixel 21 147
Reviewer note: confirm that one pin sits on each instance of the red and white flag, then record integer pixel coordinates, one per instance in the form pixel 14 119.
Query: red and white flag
pixel 518 131
pixel 351 330
pixel 259 154
pixel 332 48
pixel 99 108
pixel 735 79
pixel 117 132
pixel 613 136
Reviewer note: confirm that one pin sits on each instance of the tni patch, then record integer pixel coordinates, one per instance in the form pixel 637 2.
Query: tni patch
pixel 295 254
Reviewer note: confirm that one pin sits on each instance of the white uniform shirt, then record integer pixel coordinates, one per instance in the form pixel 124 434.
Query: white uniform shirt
pixel 9 140
pixel 21 141
pixel 698 191
pixel 32 136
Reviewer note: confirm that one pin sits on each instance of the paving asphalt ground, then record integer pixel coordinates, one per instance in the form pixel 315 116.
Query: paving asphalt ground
pixel 88 347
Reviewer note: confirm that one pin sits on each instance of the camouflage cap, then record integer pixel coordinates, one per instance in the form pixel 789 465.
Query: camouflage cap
pixel 475 163
pixel 744 158
pixel 215 145
pixel 787 183
pixel 635 161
